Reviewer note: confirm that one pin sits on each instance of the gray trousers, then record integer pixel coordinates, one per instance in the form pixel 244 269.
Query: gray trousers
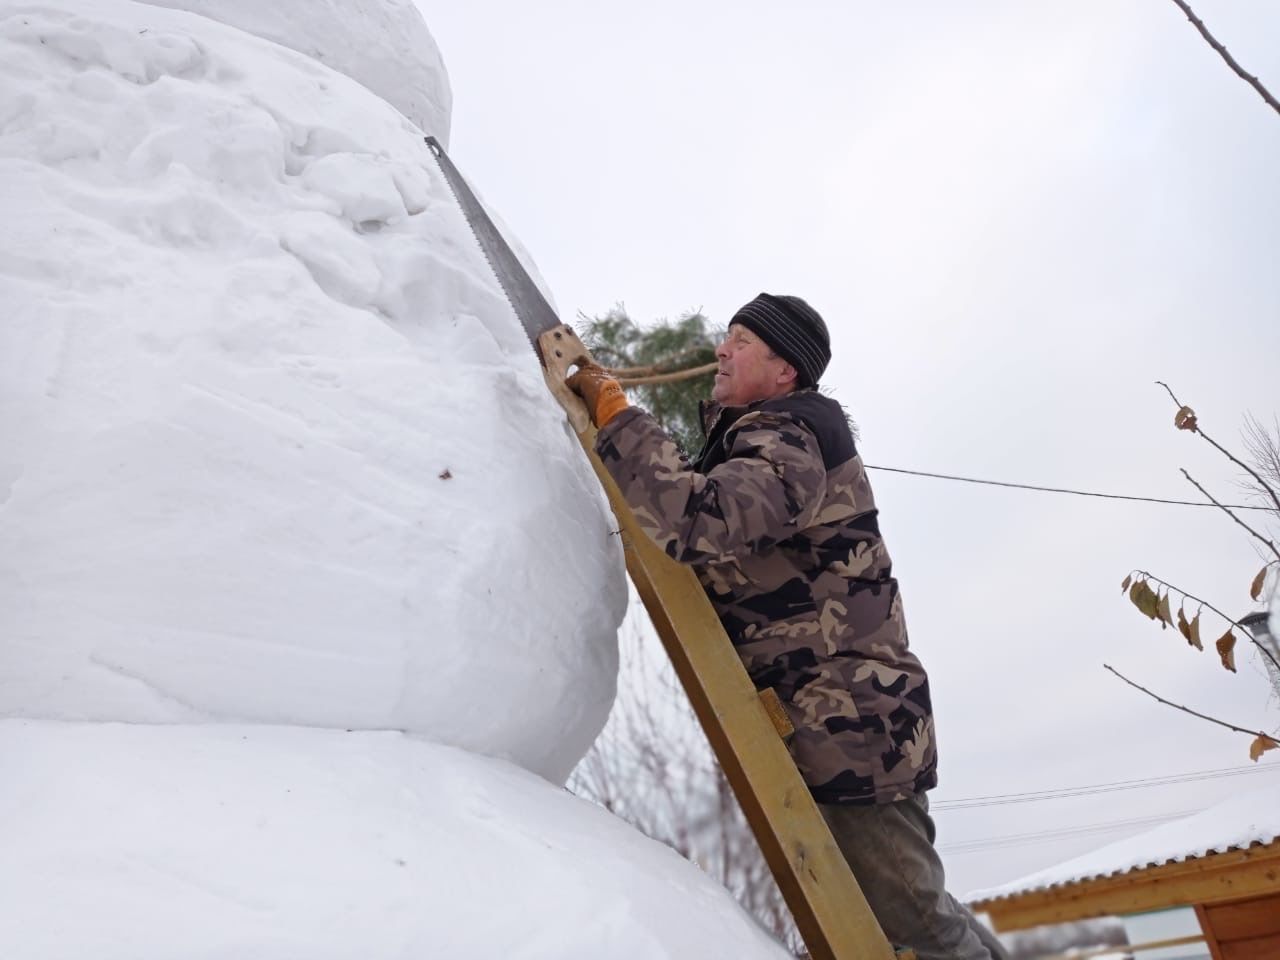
pixel 889 847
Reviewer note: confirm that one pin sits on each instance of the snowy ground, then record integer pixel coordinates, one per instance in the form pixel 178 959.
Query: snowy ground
pixel 129 841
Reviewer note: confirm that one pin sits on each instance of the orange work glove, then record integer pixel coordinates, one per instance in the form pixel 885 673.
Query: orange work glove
pixel 602 393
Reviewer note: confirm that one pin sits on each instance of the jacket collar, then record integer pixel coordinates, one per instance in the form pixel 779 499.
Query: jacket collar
pixel 712 412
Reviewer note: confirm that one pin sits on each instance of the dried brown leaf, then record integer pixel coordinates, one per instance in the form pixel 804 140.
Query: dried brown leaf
pixel 1261 745
pixel 1227 650
pixel 1184 628
pixel 1151 603
pixel 1193 633
pixel 1125 586
pixel 1185 419
pixel 1162 612
pixel 1144 598
pixel 1255 589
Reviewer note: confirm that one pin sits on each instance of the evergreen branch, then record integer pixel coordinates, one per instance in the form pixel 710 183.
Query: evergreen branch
pixel 673 377
pixel 1222 52
pixel 1177 706
pixel 1205 603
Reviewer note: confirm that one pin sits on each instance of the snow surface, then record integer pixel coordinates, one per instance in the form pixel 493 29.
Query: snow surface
pixel 127 841
pixel 1245 819
pixel 293 534
pixel 276 449
pixel 383 44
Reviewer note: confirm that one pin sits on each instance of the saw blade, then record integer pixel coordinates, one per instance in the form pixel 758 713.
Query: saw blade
pixel 530 306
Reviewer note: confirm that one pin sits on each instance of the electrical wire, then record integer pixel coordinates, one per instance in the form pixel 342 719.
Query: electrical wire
pixel 1078 493
pixel 998 800
pixel 1082 830
pixel 1047 836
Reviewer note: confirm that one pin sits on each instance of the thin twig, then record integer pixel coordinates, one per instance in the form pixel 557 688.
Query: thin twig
pixel 1222 51
pixel 1202 716
pixel 1205 603
pixel 678 375
pixel 1228 512
pixel 1225 452
pixel 1263 445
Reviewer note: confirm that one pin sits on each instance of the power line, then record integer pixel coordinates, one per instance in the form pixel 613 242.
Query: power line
pixel 998 800
pixel 1077 493
pixel 1045 836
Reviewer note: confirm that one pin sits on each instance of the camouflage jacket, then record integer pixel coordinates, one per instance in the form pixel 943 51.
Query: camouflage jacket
pixel 776 517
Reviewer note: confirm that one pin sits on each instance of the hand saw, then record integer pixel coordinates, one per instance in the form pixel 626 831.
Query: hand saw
pixel 555 343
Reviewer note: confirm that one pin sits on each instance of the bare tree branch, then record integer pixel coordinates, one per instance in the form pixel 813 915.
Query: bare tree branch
pixel 1263 444
pixel 1204 603
pixel 1227 453
pixel 1227 511
pixel 1230 60
pixel 1202 716
pixel 653 767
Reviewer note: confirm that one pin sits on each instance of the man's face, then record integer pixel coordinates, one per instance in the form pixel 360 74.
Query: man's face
pixel 749 370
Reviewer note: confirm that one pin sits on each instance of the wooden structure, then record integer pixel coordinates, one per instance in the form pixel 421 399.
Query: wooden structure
pixel 1235 894
pixel 1242 929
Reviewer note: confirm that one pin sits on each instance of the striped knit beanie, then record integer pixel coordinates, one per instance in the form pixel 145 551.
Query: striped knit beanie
pixel 793 330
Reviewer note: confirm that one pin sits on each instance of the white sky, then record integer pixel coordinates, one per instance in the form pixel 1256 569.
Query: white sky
pixel 1014 217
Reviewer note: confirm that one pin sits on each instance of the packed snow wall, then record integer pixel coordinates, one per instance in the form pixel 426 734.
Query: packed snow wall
pixel 275 447
pixel 382 44
pixel 276 456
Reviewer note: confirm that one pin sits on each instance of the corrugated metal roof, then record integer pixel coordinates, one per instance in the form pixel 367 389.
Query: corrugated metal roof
pixel 1242 821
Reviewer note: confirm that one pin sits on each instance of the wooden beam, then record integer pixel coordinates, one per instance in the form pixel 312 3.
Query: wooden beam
pixel 1216 877
pixel 1261 948
pixel 1242 928
pixel 828 906
pixel 1215 952
pixel 1244 919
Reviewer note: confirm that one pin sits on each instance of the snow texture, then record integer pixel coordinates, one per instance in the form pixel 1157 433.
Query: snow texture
pixel 1242 821
pixel 275 447
pixel 293 534
pixel 383 44
pixel 125 842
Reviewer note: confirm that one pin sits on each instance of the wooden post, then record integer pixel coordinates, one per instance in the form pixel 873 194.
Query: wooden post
pixel 828 906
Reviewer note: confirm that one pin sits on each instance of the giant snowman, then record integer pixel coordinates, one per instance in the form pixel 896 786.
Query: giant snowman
pixel 308 598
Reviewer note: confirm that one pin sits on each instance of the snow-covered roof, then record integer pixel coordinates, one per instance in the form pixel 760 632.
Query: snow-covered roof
pixel 1242 821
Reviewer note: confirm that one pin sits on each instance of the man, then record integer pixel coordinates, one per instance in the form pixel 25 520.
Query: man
pixel 776 516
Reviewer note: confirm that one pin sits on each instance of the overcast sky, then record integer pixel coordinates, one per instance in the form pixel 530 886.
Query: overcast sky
pixel 1014 217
